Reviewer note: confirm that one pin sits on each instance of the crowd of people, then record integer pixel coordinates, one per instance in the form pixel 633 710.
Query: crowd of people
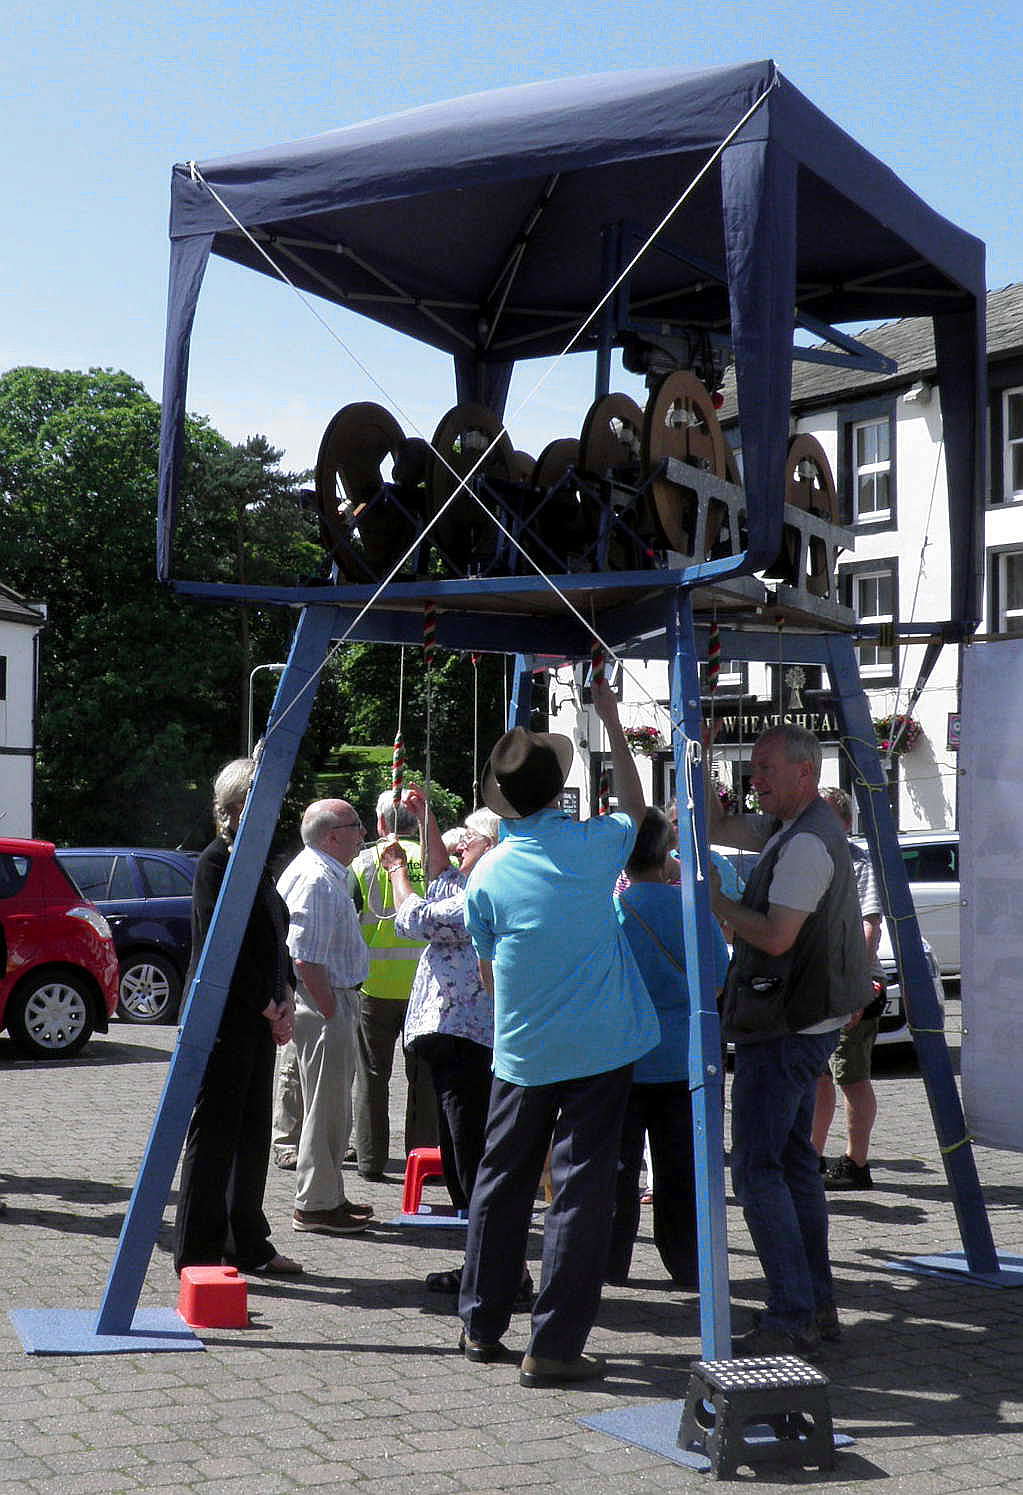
pixel 532 966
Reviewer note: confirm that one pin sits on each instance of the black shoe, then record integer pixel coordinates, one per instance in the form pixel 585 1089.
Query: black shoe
pixel 845 1174
pixel 826 1323
pixel 445 1282
pixel 537 1371
pixel 371 1176
pixel 764 1339
pixel 482 1354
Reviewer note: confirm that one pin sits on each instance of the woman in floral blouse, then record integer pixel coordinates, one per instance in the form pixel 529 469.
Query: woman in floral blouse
pixel 450 1018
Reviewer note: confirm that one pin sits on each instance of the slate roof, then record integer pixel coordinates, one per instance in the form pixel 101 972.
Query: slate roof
pixel 909 342
pixel 14 609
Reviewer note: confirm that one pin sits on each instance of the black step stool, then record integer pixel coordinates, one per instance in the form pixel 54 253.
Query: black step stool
pixel 727 1399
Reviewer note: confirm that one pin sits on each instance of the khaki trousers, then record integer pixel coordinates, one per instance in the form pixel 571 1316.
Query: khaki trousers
pixel 325 1050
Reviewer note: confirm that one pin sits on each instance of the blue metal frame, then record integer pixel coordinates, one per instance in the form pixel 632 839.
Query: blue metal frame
pixel 289 717
pixel 118 1323
pixel 706 1071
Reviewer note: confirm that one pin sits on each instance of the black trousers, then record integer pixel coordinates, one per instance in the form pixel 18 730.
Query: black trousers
pixel 223 1173
pixel 379 1031
pixel 581 1121
pixel 461 1075
pixel 665 1112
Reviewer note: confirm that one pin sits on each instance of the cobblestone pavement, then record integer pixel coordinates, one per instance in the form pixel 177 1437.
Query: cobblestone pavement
pixel 350 1376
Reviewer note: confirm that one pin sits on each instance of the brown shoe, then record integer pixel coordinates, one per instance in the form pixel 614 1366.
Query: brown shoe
pixel 355 1211
pixel 537 1371
pixel 327 1221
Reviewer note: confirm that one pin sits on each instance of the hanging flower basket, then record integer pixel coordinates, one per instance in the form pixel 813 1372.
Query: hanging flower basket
pixel 644 740
pixel 904 731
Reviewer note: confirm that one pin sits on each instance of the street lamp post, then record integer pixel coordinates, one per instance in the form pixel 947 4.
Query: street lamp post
pixel 252 677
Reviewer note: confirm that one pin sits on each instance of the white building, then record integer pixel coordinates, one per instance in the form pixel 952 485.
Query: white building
pixel 883 437
pixel 20 626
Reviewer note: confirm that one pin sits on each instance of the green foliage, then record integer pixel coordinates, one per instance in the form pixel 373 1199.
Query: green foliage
pixel 369 682
pixel 361 774
pixel 142 692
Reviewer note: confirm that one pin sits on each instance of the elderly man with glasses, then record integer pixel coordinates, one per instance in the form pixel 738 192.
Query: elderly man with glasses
pixel 330 960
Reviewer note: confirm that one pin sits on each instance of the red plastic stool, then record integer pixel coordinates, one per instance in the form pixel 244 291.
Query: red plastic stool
pixel 422 1163
pixel 213 1298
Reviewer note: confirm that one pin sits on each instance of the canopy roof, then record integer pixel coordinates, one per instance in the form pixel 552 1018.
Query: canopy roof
pixel 481 226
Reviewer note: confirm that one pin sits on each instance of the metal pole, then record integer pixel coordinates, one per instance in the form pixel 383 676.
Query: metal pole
pixel 252 677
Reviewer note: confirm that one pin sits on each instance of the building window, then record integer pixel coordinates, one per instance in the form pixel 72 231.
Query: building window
pixel 866 477
pixel 1007 591
pixel 871 471
pixel 1012 462
pixel 871 589
pixel 732 675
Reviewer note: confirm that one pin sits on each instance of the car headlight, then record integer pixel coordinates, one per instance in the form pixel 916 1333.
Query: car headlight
pixel 91 916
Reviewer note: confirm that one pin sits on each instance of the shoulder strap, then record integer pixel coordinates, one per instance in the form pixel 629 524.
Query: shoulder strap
pixel 656 939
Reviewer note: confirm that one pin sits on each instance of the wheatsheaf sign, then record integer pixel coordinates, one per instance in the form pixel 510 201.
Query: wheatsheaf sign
pixel 746 725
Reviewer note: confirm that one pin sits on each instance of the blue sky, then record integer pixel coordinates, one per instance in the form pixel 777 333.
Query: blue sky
pixel 100 102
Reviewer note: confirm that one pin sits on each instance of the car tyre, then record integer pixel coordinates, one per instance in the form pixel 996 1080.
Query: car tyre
pixel 50 1015
pixel 150 989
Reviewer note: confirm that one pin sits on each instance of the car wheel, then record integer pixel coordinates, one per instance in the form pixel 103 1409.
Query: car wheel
pixel 50 1015
pixel 150 989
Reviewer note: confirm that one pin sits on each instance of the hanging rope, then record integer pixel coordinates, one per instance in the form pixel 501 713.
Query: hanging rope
pixel 398 754
pixel 475 731
pixel 429 655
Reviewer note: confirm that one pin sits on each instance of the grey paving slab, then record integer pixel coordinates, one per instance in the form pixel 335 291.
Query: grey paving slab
pixel 350 1377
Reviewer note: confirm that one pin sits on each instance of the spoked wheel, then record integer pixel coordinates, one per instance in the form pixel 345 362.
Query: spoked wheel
pixel 50 1016
pixel 150 989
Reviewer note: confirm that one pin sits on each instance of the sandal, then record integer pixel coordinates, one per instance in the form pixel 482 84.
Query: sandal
pixel 444 1282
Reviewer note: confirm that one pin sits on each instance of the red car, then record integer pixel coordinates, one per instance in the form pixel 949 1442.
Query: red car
pixel 59 981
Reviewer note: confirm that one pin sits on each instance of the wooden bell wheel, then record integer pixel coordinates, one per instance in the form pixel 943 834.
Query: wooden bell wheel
pixel 462 436
pixel 554 461
pixel 348 478
pixel 681 423
pixel 612 436
pixel 809 483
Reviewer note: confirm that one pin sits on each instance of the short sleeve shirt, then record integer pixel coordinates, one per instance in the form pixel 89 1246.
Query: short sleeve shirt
pixel 569 997
pixel 324 927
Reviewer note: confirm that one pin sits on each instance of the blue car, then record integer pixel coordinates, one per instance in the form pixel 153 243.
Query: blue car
pixel 146 897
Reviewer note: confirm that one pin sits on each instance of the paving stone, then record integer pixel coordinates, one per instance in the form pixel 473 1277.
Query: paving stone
pixel 350 1378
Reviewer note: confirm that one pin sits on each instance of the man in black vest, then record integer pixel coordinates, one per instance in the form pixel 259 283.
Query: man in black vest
pixel 799 968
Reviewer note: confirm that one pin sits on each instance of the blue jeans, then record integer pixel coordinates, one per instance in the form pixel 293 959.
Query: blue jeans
pixel 776 1172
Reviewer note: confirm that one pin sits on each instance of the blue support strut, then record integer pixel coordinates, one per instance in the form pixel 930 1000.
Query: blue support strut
pixel 925 1022
pixel 706 1074
pixel 288 720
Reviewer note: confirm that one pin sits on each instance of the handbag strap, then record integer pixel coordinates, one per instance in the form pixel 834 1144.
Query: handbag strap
pixel 653 935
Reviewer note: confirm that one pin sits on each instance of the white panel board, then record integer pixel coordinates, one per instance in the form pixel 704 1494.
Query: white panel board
pixel 991 875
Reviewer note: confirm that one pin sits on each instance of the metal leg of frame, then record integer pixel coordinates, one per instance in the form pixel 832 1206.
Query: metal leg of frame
pixel 706 1077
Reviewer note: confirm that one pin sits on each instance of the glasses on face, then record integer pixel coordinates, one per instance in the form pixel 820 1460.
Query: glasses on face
pixel 347 825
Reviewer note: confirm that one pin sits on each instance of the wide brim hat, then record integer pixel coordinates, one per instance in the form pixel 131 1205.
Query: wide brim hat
pixel 525 771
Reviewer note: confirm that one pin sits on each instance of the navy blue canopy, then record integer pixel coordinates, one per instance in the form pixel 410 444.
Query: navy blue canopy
pixel 482 226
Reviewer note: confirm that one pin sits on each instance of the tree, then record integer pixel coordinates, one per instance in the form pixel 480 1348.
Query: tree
pixel 141 690
pixel 369 684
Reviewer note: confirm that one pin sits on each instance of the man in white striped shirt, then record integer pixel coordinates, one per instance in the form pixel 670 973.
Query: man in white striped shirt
pixel 331 962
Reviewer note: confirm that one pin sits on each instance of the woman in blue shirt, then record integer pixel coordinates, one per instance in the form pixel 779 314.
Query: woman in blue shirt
pixel 650 912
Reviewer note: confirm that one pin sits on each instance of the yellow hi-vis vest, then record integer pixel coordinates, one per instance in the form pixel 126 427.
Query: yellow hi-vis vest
pixel 392 960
